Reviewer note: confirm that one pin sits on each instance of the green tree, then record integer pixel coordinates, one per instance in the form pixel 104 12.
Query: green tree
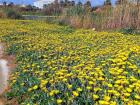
pixel 87 6
pixel 79 3
pixel 88 3
pixel 4 4
pixel 107 2
pixel 62 3
pixel 11 4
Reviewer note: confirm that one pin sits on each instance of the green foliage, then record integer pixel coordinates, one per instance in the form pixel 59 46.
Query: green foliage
pixel 129 31
pixel 13 14
pixel 76 10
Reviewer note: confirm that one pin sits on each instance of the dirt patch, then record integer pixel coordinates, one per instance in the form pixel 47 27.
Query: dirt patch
pixel 1 102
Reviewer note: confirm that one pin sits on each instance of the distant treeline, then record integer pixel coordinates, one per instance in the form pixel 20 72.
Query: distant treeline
pixel 55 8
pixel 125 13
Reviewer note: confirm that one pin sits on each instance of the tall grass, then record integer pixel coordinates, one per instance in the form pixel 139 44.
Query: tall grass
pixel 10 13
pixel 77 17
pixel 104 18
pixel 124 16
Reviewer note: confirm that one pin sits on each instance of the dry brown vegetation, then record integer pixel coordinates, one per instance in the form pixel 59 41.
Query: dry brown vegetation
pixel 124 15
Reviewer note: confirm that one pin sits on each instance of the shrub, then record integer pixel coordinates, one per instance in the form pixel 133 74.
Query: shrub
pixel 130 30
pixel 127 30
pixel 12 14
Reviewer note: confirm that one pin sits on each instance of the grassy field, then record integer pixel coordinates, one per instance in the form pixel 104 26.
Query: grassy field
pixel 60 65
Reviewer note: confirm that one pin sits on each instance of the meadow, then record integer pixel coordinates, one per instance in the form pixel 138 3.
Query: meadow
pixel 59 65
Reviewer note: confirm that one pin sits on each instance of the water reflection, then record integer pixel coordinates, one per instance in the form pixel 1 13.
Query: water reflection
pixel 4 71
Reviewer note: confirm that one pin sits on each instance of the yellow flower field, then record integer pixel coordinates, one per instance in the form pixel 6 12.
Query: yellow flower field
pixel 58 65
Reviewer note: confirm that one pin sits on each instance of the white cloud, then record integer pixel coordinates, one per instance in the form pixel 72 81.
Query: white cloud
pixel 40 3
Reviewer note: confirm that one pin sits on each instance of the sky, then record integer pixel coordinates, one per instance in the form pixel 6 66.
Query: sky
pixel 40 2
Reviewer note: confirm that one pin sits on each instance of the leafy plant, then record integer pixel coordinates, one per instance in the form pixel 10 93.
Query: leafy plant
pixel 12 14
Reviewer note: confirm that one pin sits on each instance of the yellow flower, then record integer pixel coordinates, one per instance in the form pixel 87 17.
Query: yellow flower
pixel 88 88
pixel 127 94
pixel 56 91
pixel 22 84
pixel 64 80
pixel 51 93
pixel 96 89
pixel 91 82
pixel 30 89
pixel 95 97
pixel 75 94
pixel 125 100
pixel 69 86
pixel 59 101
pixel 129 90
pixel 113 103
pixel 35 87
pixel 117 94
pixel 102 102
pixel 110 85
pixel 137 96
pixel 110 91
pixel 79 89
pixel 136 102
pixel 107 98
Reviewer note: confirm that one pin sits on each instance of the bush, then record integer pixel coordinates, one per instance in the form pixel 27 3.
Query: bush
pixel 130 31
pixel 12 14
pixel 127 30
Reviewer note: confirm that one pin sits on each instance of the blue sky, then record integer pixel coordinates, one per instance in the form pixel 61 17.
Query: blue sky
pixel 19 1
pixel 94 2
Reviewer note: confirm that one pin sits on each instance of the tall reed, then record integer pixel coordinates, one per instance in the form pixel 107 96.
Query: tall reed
pixel 104 18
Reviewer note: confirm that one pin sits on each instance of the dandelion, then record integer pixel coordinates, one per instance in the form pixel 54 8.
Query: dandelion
pixel 69 86
pixel 129 90
pixel 75 94
pixel 88 88
pixel 30 89
pixel 59 101
pixel 110 85
pixel 137 97
pixel 95 97
pixel 79 89
pixel 102 102
pixel 127 94
pixel 35 87
pixel 91 82
pixel 52 93
pixel 107 98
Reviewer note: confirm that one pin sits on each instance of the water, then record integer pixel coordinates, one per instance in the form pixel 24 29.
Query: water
pixel 4 75
pixel 1 51
pixel 4 71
